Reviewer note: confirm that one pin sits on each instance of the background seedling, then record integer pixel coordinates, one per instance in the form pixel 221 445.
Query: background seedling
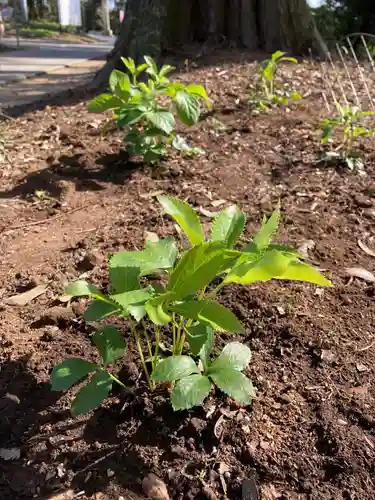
pixel 147 110
pixel 350 120
pixel 268 92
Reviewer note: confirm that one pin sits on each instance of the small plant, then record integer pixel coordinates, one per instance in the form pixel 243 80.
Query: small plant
pixel 268 94
pixel 147 110
pixel 350 119
pixel 171 296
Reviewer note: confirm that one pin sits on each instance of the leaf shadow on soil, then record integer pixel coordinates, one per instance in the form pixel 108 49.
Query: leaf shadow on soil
pixel 83 172
pixel 120 444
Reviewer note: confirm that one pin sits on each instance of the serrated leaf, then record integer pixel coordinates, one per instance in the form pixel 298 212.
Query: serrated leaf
pixel 110 343
pixel 124 279
pixel 69 372
pixel 198 267
pixel 174 368
pixel 134 297
pixel 187 107
pixel 198 91
pixel 82 288
pixel 104 102
pixel 269 266
pixel 138 312
pixel 235 384
pixel 130 115
pixel 197 336
pixel 212 313
pixel 234 356
pixel 156 256
pixel 119 82
pixel 300 271
pixel 157 314
pixel 98 310
pixel 185 217
pixel 92 394
pixel 190 391
pixel 161 119
pixel 228 226
pixel 267 231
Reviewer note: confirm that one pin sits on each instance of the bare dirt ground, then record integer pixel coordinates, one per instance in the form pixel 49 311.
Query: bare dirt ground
pixel 310 432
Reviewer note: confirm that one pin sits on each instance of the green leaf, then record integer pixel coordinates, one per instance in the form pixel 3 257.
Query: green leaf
pixel 197 336
pixel 69 372
pixel 198 267
pixel 267 231
pixel 234 356
pixel 197 91
pixel 129 63
pixel 277 55
pixel 98 310
pixel 206 350
pixel 138 312
pixel 82 288
pixel 124 279
pixel 228 226
pixel 155 257
pixel 104 102
pixel 235 384
pixel 134 297
pixel 185 216
pixel 267 267
pixel 187 107
pixel 300 271
pixel 165 69
pixel 162 120
pixel 157 314
pixel 110 344
pixel 209 312
pixel 130 115
pixel 119 82
pixel 93 394
pixel 190 391
pixel 174 368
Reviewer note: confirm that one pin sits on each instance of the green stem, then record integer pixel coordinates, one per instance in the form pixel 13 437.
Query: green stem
pixel 157 342
pixel 119 382
pixel 143 362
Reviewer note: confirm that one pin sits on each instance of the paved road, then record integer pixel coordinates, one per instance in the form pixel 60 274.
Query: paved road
pixel 35 57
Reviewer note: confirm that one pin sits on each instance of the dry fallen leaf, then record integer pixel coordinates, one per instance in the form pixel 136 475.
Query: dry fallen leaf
pixel 366 249
pixel 10 453
pixel 360 272
pixel 362 389
pixel 150 236
pixel 207 213
pixel 155 488
pixel 305 246
pixel 24 298
pixel 64 495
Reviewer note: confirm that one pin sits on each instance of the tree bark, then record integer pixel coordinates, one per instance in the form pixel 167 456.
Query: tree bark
pixel 150 26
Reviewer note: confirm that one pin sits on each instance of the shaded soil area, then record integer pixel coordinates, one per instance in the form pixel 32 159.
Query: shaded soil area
pixel 69 199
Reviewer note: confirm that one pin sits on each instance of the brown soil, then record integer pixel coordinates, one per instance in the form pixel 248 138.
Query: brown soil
pixel 310 432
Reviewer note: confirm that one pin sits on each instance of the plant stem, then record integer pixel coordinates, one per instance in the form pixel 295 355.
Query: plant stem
pixel 119 382
pixel 143 362
pixel 157 342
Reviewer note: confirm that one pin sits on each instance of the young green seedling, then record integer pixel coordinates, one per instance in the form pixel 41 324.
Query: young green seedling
pixel 180 308
pixel 268 93
pixel 147 109
pixel 350 120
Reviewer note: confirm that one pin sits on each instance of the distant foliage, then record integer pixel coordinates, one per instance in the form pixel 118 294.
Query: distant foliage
pixel 147 110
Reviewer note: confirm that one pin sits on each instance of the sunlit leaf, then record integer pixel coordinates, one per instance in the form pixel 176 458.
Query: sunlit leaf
pixel 190 391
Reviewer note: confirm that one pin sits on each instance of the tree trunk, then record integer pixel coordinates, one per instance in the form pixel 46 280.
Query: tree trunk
pixel 150 26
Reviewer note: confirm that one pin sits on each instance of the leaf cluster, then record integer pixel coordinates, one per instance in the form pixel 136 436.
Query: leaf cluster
pixel 181 306
pixel 351 120
pixel 147 109
pixel 268 93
